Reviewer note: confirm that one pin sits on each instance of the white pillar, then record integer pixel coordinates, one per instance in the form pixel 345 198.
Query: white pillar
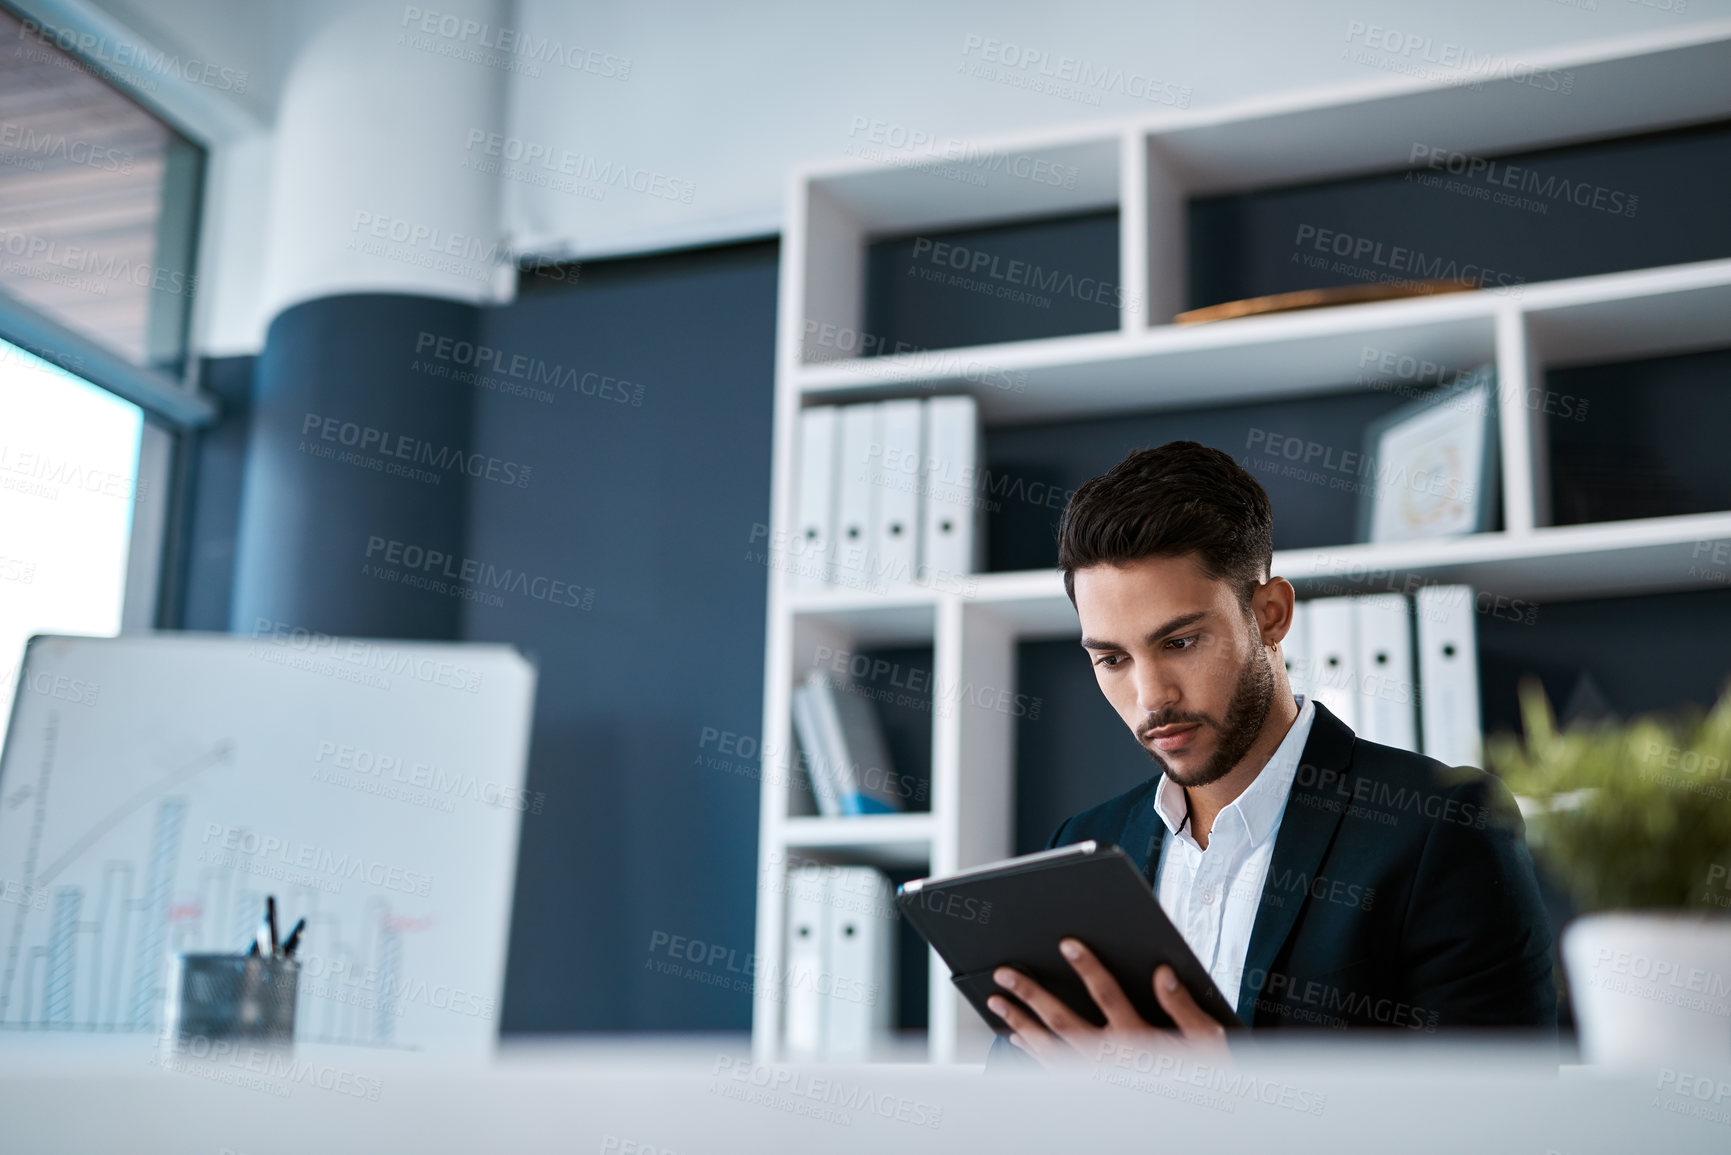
pixel 370 186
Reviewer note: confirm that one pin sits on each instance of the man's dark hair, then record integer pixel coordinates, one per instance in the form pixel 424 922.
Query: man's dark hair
pixel 1182 498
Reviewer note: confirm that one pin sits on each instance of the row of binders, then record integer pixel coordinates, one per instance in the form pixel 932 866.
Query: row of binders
pixel 845 754
pixel 888 493
pixel 839 986
pixel 1400 671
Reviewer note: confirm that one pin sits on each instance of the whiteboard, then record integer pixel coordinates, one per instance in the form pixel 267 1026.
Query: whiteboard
pixel 155 787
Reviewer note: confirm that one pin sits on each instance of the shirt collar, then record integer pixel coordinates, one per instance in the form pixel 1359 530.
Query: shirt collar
pixel 1263 802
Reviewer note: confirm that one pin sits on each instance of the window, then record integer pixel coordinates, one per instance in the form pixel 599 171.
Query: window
pixel 99 203
pixel 69 455
pixel 98 200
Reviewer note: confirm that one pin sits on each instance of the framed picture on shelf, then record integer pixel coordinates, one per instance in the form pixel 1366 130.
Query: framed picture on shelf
pixel 1431 467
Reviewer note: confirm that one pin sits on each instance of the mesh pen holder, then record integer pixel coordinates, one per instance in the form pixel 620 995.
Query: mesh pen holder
pixel 233 996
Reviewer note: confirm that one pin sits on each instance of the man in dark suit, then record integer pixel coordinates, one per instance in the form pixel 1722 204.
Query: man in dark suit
pixel 1323 880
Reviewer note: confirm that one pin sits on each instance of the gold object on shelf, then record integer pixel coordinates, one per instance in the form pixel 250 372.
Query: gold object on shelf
pixel 1323 299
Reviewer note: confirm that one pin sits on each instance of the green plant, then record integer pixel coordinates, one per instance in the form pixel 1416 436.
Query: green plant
pixel 1626 815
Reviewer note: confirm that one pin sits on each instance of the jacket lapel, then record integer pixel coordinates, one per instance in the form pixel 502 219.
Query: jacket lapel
pixel 1313 813
pixel 1143 835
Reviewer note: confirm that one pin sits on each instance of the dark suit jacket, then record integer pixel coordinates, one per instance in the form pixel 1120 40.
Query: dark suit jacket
pixel 1400 896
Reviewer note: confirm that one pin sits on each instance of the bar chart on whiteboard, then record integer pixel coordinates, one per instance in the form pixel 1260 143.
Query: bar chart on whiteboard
pixel 155 789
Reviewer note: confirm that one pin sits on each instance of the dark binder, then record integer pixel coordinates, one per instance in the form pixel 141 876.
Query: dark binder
pixel 1013 913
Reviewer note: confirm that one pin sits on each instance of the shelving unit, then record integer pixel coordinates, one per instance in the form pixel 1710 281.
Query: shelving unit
pixel 1147 170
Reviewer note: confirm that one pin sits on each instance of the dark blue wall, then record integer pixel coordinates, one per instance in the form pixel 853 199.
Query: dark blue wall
pixel 1048 278
pixel 652 506
pixel 1659 201
pixel 1652 443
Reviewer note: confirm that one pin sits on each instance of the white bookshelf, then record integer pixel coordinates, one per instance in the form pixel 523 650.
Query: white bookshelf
pixel 1146 169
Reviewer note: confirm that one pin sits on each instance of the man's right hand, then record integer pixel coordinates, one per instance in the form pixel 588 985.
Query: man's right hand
pixel 1056 1035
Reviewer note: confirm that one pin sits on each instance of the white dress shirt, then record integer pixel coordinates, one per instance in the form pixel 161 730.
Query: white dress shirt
pixel 1212 895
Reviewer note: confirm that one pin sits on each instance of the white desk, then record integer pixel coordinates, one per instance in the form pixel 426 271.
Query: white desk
pixel 69 1095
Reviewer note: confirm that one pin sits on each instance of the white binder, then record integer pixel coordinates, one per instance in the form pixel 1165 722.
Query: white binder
pixel 1295 649
pixel 1448 674
pixel 809 728
pixel 810 552
pixel 1387 710
pixel 861 961
pixel 855 503
pixel 954 537
pixel 1334 653
pixel 803 1000
pixel 896 476
pixel 854 758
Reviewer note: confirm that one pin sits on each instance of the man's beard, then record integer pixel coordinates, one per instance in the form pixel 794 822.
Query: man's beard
pixel 1252 698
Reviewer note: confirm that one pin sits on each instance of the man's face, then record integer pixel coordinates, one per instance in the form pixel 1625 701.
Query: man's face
pixel 1180 660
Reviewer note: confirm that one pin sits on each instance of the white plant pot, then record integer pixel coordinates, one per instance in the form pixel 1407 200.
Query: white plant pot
pixel 1650 986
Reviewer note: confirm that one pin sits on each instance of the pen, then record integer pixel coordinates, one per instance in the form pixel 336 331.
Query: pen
pixel 261 939
pixel 270 920
pixel 293 940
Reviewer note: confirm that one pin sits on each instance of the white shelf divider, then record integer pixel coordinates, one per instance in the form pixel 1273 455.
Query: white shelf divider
pixel 980 810
pixel 1521 433
pixel 1163 221
pixel 882 839
pixel 834 280
pixel 1565 562
pixel 1134 265
pixel 777 758
pixel 943 1007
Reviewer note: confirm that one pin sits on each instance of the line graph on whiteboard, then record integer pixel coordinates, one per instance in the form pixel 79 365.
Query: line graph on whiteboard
pixel 150 814
pixel 100 907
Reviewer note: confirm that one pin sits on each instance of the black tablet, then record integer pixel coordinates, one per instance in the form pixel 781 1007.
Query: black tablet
pixel 1013 913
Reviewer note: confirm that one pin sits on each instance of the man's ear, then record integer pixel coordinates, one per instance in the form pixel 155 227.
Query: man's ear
pixel 1271 607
